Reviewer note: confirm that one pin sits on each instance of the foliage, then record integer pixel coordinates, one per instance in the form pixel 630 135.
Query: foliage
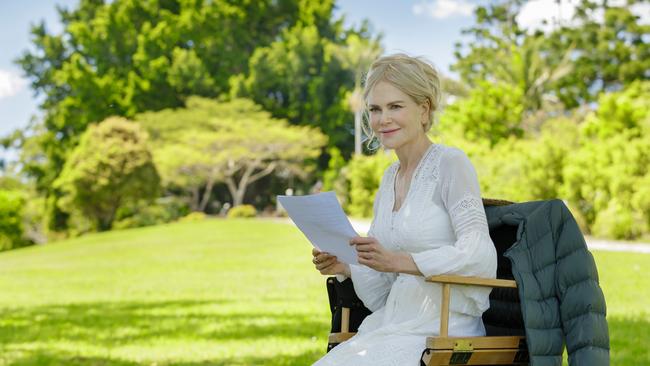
pixel 242 211
pixel 11 216
pixel 572 64
pixel 334 176
pixel 524 169
pixel 124 57
pixel 111 167
pixel 307 75
pixel 194 216
pixel 608 176
pixel 234 142
pixel 143 213
pixel 364 174
pixel 491 112
pixel 610 50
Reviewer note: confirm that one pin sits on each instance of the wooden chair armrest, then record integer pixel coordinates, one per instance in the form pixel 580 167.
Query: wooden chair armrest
pixel 448 280
pixel 474 281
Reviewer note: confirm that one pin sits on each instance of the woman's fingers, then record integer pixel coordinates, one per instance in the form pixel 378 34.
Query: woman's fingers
pixel 366 247
pixel 362 240
pixel 366 255
pixel 321 257
pixel 326 263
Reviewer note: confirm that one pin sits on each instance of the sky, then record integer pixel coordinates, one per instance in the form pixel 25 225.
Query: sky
pixel 426 28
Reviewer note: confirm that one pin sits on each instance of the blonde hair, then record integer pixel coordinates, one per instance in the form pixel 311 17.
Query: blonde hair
pixel 414 76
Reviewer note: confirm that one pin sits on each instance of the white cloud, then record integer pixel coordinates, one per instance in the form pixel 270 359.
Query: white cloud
pixel 10 84
pixel 442 9
pixel 534 12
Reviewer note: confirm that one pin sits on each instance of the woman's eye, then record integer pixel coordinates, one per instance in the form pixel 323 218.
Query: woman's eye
pixel 373 109
pixel 395 106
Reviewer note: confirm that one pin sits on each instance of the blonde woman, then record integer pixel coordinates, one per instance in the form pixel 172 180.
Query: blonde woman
pixel 428 220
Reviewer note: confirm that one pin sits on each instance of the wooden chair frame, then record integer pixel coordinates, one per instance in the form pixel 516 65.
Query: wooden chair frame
pixel 445 350
pixel 489 350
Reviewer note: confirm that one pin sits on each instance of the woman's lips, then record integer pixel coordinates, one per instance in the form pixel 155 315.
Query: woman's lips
pixel 389 132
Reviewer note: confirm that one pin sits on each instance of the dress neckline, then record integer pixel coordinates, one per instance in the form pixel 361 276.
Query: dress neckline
pixel 411 183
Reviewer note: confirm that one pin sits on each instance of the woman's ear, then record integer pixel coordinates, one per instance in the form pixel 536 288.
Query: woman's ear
pixel 426 111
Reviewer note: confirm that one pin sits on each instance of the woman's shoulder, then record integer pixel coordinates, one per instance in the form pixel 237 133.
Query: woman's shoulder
pixel 451 152
pixel 453 155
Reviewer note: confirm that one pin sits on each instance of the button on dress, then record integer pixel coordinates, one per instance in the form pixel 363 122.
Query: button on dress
pixel 442 224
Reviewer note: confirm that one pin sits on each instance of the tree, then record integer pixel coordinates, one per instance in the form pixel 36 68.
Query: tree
pixel 308 75
pixel 357 55
pixel 609 51
pixel 570 65
pixel 110 167
pixel 235 143
pixel 126 57
pixel 492 112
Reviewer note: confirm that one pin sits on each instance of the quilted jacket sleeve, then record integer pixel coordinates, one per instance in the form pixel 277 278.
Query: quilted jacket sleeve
pixel 582 303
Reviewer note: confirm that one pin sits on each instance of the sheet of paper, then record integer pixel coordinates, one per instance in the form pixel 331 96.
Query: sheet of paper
pixel 322 220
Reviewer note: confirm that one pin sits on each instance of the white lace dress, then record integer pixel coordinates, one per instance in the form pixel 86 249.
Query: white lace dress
pixel 442 224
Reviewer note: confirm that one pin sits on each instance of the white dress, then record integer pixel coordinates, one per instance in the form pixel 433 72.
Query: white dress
pixel 442 224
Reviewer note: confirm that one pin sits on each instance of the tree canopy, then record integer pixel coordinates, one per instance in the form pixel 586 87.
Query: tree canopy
pixel 235 143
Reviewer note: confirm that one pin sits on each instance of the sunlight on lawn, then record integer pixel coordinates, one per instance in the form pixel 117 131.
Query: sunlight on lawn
pixel 215 292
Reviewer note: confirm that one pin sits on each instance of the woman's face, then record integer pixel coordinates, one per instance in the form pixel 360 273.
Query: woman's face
pixel 394 117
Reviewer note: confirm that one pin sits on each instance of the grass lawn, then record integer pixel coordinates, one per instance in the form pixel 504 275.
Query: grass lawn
pixel 215 292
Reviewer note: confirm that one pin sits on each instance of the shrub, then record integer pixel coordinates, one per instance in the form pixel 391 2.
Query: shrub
pixel 11 215
pixel 607 178
pixel 194 216
pixel 164 210
pixel 245 211
pixel 110 167
pixel 364 174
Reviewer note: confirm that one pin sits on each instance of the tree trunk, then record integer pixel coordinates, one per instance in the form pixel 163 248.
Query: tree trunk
pixel 194 205
pixel 207 193
pixel 238 190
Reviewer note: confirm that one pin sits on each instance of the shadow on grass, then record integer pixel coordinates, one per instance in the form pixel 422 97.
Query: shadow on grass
pixel 628 338
pixel 108 325
pixel 49 358
pixel 45 358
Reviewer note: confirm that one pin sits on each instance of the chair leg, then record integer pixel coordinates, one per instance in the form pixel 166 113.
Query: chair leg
pixel 444 310
pixel 345 320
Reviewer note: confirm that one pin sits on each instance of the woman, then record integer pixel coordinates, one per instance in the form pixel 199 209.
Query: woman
pixel 428 220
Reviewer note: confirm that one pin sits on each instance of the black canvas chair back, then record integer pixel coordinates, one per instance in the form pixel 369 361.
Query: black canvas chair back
pixel 341 295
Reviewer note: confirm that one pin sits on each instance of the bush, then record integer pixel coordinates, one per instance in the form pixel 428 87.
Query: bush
pixel 110 167
pixel 194 216
pixel 607 178
pixel 11 216
pixel 364 174
pixel 164 210
pixel 526 169
pixel 242 211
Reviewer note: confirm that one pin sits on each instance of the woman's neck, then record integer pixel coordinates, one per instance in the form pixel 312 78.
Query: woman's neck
pixel 409 156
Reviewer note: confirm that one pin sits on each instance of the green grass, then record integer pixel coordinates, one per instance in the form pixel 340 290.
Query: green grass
pixel 216 292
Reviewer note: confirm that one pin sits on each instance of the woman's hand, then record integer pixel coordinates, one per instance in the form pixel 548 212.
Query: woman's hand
pixel 328 264
pixel 372 254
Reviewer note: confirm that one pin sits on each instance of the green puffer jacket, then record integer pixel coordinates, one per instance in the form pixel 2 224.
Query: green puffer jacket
pixel 557 283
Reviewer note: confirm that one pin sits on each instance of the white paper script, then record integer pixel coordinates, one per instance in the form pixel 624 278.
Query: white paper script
pixel 322 220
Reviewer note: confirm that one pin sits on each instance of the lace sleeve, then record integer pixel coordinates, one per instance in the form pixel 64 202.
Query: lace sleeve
pixel 461 194
pixel 473 253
